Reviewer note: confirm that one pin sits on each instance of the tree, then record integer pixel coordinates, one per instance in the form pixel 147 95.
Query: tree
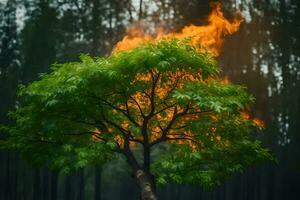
pixel 160 105
pixel 39 41
pixel 9 57
pixel 9 76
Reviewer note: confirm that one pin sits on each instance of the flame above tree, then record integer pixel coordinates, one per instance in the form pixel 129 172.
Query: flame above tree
pixel 209 36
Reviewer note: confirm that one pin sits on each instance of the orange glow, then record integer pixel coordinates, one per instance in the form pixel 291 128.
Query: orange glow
pixel 245 115
pixel 209 36
pixel 258 122
pixel 118 139
pixel 225 80
pixel 96 134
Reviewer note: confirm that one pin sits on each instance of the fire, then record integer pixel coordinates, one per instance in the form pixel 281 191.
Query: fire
pixel 245 115
pixel 258 122
pixel 96 134
pixel 209 36
pixel 226 80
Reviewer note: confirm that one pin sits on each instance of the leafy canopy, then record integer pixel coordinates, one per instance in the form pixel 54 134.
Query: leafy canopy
pixel 164 96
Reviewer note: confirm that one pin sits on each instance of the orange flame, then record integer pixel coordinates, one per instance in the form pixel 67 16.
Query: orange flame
pixel 259 123
pixel 245 115
pixel 96 134
pixel 256 121
pixel 209 36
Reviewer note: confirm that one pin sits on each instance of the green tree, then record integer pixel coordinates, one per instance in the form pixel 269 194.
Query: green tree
pixel 161 106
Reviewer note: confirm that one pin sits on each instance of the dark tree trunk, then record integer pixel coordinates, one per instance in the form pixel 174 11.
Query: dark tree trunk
pixel 36 184
pixel 81 184
pixel 98 184
pixel 141 10
pixel 45 184
pixel 54 185
pixel 67 195
pixel 96 22
pixel 6 183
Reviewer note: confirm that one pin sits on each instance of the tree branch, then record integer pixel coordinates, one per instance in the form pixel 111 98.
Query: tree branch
pixel 168 127
pixel 152 95
pixel 124 112
pixel 138 105
pixel 165 108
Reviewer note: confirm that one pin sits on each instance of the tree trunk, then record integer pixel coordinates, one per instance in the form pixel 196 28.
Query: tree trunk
pixel 68 188
pixel 45 183
pixel 36 184
pixel 142 175
pixel 141 10
pixel 146 185
pixel 54 180
pixel 97 184
pixel 81 184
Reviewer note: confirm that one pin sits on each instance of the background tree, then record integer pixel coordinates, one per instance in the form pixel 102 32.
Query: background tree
pixel 9 75
pixel 162 96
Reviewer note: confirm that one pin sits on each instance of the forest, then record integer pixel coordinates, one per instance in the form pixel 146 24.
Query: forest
pixel 44 42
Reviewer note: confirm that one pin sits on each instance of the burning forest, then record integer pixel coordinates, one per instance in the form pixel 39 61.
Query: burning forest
pixel 209 36
pixel 158 108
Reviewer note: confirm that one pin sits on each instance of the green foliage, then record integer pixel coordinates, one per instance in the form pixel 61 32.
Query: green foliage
pixel 56 124
pixel 214 95
pixel 210 167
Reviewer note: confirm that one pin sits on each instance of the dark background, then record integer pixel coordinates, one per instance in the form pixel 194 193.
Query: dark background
pixel 264 55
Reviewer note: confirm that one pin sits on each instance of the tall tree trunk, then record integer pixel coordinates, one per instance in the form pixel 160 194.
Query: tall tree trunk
pixel 36 184
pixel 146 185
pixel 144 179
pixel 141 10
pixel 97 184
pixel 146 166
pixel 45 183
pixel 96 22
pixel 54 180
pixel 81 184
pixel 68 187
pixel 7 176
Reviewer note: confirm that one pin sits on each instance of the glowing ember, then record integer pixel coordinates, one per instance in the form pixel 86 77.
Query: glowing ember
pixel 96 134
pixel 258 122
pixel 209 36
pixel 245 115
